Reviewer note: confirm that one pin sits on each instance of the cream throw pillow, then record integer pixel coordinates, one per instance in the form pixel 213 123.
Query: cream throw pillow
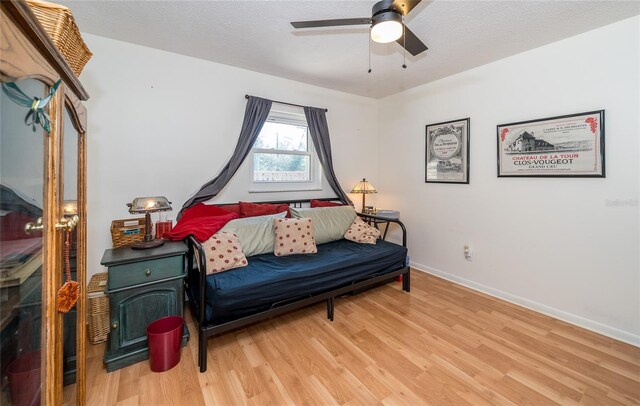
pixel 255 233
pixel 329 223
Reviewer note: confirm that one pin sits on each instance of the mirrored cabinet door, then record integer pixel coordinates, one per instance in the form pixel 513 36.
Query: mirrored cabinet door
pixel 70 243
pixel 72 265
pixel 22 269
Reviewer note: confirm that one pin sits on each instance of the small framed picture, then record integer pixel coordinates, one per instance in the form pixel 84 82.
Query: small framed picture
pixel 558 147
pixel 447 152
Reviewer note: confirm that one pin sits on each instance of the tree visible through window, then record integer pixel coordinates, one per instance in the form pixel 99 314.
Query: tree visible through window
pixel 282 152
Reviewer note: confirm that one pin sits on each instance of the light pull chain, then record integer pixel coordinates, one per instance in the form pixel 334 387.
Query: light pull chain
pixel 404 44
pixel 369 71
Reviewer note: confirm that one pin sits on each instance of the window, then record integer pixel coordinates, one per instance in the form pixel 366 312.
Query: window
pixel 283 156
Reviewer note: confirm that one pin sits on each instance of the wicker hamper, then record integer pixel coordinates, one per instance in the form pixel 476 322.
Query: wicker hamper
pixel 98 308
pixel 127 232
pixel 58 22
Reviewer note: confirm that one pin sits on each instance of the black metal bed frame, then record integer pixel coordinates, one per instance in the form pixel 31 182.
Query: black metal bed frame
pixel 196 256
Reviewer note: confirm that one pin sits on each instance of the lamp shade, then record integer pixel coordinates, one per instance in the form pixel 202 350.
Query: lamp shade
pixel 387 27
pixel 149 204
pixel 364 187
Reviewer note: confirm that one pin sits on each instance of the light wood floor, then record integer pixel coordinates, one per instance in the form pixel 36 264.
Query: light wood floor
pixel 442 344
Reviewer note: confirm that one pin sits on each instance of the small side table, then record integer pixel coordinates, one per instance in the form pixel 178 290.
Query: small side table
pixel 143 286
pixel 385 215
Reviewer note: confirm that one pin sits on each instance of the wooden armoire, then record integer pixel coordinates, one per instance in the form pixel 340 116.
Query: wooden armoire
pixel 43 189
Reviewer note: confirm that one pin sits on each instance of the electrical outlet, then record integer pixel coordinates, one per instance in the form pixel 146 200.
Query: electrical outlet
pixel 467 253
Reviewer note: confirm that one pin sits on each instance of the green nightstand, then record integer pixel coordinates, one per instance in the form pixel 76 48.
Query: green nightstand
pixel 143 286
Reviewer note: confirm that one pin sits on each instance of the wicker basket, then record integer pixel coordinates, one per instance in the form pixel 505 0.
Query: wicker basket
pixel 58 22
pixel 98 308
pixel 127 232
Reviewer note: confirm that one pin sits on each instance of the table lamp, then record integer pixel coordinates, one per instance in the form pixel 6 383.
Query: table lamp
pixel 365 188
pixel 148 205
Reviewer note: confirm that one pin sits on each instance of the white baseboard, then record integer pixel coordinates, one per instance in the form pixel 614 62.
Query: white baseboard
pixel 580 321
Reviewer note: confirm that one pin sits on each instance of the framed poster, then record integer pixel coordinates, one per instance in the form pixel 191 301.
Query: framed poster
pixel 563 146
pixel 447 152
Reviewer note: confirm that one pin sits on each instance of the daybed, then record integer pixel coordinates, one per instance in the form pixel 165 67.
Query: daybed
pixel 272 285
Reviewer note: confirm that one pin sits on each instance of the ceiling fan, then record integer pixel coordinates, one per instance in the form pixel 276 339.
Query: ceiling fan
pixel 387 24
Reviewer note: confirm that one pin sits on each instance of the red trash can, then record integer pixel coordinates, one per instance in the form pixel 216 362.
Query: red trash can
pixel 165 342
pixel 24 379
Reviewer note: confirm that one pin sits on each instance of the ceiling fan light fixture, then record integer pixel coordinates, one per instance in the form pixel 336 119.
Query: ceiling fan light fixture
pixel 386 27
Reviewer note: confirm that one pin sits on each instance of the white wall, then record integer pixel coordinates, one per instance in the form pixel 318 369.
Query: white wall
pixel 560 246
pixel 164 124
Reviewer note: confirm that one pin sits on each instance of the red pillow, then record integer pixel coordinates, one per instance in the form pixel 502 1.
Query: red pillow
pixel 202 210
pixel 201 228
pixel 283 207
pixel 232 208
pixel 323 203
pixel 262 209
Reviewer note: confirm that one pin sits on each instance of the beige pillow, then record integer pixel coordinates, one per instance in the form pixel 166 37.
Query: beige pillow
pixel 294 236
pixel 329 223
pixel 223 252
pixel 255 233
pixel 362 232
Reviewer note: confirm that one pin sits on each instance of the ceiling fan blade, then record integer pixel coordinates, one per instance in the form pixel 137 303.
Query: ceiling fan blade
pixel 404 6
pixel 331 23
pixel 412 43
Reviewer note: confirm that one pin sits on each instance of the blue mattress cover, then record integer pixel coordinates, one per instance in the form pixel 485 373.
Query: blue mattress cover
pixel 269 279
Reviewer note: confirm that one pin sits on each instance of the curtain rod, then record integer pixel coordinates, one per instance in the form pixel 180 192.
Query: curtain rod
pixel 246 96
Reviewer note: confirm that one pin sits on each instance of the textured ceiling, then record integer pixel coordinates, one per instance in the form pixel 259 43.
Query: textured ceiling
pixel 256 35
